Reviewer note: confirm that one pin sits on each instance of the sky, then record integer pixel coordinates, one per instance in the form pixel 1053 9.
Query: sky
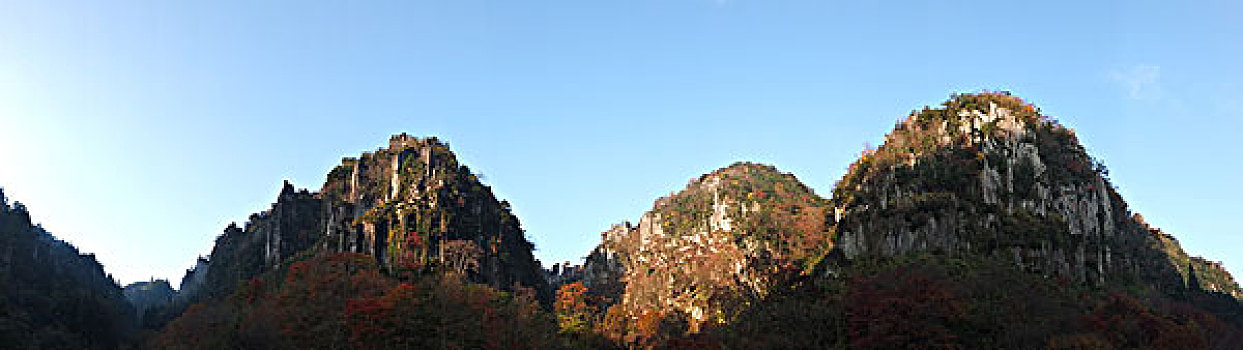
pixel 138 130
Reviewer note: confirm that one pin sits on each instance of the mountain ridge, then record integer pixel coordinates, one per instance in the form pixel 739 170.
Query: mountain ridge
pixel 985 222
pixel 984 180
pixel 51 294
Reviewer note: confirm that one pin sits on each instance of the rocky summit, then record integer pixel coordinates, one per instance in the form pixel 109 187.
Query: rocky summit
pixel 413 206
pixel 703 254
pixel 988 174
pixel 410 206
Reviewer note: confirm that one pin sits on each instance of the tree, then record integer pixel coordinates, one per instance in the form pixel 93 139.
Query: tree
pixel 574 315
pixel 446 313
pixel 901 309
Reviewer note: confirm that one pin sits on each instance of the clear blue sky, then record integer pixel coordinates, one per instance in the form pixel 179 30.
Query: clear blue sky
pixel 138 130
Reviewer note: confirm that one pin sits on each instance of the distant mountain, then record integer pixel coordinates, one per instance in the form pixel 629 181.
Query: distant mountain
pixel 149 295
pixel 51 295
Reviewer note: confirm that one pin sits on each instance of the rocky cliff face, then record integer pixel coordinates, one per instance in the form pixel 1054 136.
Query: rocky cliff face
pixel 194 278
pixel 703 254
pixel 988 174
pixel 293 224
pixel 411 206
pixel 149 294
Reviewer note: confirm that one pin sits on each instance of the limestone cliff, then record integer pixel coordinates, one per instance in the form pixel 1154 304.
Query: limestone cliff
pixel 293 223
pixel 411 206
pixel 988 174
pixel 703 254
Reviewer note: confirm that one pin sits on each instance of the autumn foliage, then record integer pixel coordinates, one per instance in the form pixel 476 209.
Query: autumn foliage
pixel 341 301
pixel 902 307
pixel 445 313
pixel 574 314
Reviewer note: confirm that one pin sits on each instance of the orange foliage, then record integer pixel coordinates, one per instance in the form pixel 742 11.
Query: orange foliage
pixel 446 313
pixel 572 298
pixel 1129 324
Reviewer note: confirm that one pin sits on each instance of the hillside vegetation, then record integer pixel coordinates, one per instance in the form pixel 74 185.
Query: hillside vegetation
pixel 51 295
pixel 978 224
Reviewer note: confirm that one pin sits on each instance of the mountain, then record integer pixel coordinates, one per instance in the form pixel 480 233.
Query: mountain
pixel 987 174
pixel 293 223
pixel 977 224
pixel 241 253
pixel 51 295
pixel 148 295
pixel 413 206
pixel 985 224
pixel 980 223
pixel 405 224
pixel 702 255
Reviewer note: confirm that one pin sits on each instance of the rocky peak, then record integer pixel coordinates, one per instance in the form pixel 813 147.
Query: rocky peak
pixel 702 254
pixel 602 270
pixel 413 206
pixel 292 225
pixel 988 174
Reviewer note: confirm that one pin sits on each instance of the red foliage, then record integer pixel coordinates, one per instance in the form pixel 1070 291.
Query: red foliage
pixel 574 313
pixel 251 290
pixel 315 291
pixel 344 301
pixel 409 259
pixel 1127 323
pixel 571 298
pixel 197 328
pixel 374 319
pixel 445 313
pixel 901 309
